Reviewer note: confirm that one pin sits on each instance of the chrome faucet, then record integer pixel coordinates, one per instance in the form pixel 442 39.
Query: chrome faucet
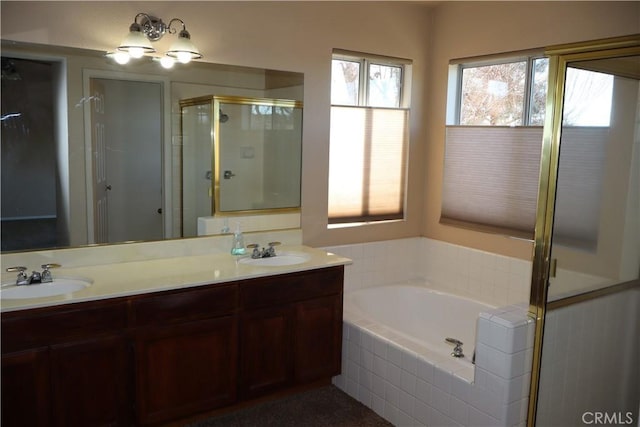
pixel 265 252
pixel 36 277
pixel 457 350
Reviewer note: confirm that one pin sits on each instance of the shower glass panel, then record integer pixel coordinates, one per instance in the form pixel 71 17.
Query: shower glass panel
pixel 589 365
pixel 197 171
pixel 259 154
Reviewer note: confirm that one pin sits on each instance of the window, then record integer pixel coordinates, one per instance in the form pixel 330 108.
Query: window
pixel 589 95
pixel 497 94
pixel 493 144
pixel 368 140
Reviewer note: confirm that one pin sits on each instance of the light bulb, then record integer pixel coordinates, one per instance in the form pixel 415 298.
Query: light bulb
pixel 167 62
pixel 136 52
pixel 183 57
pixel 121 57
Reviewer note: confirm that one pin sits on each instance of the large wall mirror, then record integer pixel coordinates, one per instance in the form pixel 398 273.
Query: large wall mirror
pixel 92 151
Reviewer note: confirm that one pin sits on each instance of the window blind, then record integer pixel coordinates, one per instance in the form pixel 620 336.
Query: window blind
pixel 491 180
pixel 368 156
pixel 491 177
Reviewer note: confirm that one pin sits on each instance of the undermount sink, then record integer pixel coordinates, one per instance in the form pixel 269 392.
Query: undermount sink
pixel 279 260
pixel 59 286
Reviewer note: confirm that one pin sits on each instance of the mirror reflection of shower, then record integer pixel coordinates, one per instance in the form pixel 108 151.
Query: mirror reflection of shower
pixel 250 165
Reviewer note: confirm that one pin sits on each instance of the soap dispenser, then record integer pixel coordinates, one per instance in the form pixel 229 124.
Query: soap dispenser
pixel 237 246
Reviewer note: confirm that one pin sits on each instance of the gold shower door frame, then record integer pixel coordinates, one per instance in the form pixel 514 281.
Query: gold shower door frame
pixel 559 58
pixel 218 101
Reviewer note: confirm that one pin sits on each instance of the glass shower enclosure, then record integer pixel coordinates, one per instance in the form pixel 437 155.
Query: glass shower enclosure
pixel 239 155
pixel 586 282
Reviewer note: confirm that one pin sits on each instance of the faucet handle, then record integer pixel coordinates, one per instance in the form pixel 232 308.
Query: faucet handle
pixel 52 265
pixel 272 250
pixel 46 276
pixel 22 278
pixel 256 250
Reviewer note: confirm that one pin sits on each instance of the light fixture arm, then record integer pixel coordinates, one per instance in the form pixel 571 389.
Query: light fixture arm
pixel 173 30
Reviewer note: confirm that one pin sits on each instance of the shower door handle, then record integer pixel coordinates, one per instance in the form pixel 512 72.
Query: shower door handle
pixel 228 174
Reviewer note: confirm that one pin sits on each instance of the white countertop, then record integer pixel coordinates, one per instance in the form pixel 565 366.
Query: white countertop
pixel 140 277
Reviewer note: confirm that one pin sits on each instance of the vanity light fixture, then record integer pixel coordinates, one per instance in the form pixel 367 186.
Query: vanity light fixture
pixel 146 29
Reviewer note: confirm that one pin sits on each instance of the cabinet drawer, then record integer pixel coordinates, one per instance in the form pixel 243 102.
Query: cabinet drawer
pixel 286 288
pixel 52 325
pixel 185 305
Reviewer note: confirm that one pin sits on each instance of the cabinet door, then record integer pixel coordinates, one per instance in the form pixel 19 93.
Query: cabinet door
pixel 25 389
pixel 265 350
pixel 185 368
pixel 318 338
pixel 89 383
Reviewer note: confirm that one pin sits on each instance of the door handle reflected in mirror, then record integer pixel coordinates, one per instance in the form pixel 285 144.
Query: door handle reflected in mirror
pixel 228 174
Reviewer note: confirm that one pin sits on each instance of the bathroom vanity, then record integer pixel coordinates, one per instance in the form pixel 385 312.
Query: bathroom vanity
pixel 158 356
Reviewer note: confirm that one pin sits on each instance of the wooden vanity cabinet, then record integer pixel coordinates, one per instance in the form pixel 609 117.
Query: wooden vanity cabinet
pixel 89 383
pixel 290 329
pixel 266 344
pixel 317 343
pixel 25 388
pixel 64 366
pixel 185 345
pixel 153 358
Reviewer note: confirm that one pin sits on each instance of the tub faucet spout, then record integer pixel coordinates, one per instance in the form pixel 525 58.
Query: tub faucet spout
pixel 457 350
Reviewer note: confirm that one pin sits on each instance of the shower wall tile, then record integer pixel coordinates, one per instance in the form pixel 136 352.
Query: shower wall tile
pixel 590 358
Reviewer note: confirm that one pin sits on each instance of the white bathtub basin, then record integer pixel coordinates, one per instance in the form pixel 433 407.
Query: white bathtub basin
pixel 59 286
pixel 277 261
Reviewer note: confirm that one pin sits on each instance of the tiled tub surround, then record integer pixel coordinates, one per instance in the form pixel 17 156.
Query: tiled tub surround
pixel 410 384
pixel 482 276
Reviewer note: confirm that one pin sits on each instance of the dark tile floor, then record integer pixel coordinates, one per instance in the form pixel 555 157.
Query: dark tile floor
pixel 323 407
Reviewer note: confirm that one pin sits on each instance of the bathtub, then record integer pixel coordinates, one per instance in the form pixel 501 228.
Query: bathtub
pixel 395 359
pixel 419 314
